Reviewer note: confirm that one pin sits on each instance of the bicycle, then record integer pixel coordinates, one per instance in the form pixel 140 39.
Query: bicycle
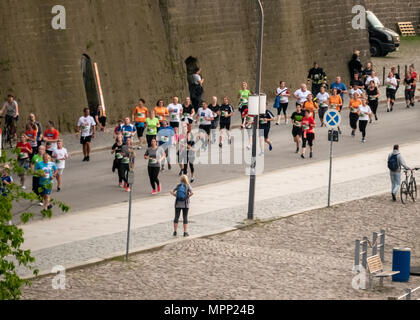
pixel 409 186
pixel 7 135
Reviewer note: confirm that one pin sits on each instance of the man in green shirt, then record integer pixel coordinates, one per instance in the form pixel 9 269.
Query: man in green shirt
pixel 243 97
pixel 152 124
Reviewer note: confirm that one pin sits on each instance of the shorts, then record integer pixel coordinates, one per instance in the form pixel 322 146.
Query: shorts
pixel 264 131
pixel 296 131
pixel 215 123
pixel 225 125
pixel 174 124
pixel 60 171
pixel 139 129
pixel 283 107
pixel 390 93
pixel 84 140
pixel 310 137
pixel 206 128
pixel 24 163
pixel 409 94
pixel 45 191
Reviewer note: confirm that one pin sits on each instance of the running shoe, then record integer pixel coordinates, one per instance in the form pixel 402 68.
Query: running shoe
pixel 154 192
pixel 160 188
pixel 270 147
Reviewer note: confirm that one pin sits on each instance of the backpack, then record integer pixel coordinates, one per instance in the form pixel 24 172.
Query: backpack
pixel 181 194
pixel 393 162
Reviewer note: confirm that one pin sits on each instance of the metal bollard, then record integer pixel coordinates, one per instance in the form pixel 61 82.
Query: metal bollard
pixel 364 256
pixel 357 256
pixel 382 243
pixel 408 296
pixel 375 244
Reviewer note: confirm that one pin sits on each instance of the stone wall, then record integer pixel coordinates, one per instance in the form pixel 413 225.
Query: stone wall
pixel 141 45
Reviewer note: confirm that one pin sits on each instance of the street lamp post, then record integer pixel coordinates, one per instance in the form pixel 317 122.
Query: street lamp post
pixel 254 128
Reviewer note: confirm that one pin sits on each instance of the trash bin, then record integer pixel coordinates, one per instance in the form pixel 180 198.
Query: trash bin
pixel 401 262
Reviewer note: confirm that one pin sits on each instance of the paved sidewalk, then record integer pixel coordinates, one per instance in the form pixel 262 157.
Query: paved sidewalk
pixel 101 233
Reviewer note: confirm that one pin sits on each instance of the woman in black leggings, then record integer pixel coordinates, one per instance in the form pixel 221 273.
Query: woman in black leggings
pixel 182 193
pixel 154 155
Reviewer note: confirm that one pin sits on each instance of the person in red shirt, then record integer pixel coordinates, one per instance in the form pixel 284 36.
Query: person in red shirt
pixel 31 134
pixel 308 125
pixel 51 136
pixel 25 150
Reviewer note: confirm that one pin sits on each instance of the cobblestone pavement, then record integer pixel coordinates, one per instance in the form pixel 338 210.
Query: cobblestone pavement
pixel 306 256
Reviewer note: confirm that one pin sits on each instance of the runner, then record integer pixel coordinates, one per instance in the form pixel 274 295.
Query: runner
pixel 128 130
pixel 152 124
pixel 336 102
pixel 308 125
pixel 373 97
pixel 161 111
pixel 140 113
pixel 11 108
pixel 301 94
pixel 247 124
pixel 318 77
pixel 364 113
pixel 31 134
pixel 165 136
pixel 226 113
pixel 88 126
pixel 182 192
pixel 51 136
pixel 188 111
pixel 175 113
pixel 205 117
pixel 243 96
pixel 187 152
pixel 391 89
pixel 25 150
pixel 124 168
pixel 46 180
pixel 354 115
pixel 410 85
pixel 323 100
pixel 215 108
pixel 310 105
pixel 283 95
pixel 35 178
pixel 117 151
pixel 297 118
pixel 154 155
pixel 265 124
pixel 39 136
pixel 60 156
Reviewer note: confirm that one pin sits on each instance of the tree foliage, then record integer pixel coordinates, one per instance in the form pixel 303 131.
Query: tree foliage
pixel 11 236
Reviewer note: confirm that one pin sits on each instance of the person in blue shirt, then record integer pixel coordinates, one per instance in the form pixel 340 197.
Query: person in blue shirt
pixel 340 86
pixel 128 130
pixel 164 136
pixel 6 180
pixel 46 180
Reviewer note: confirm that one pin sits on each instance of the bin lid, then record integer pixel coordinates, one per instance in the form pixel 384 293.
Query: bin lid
pixel 402 249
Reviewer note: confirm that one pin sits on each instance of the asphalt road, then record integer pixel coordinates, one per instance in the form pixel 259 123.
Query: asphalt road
pixel 92 184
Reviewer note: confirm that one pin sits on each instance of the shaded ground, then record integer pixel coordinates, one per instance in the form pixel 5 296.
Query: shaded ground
pixel 308 256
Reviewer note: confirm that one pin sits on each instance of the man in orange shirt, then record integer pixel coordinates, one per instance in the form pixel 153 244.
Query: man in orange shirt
pixel 161 111
pixel 310 105
pixel 140 113
pixel 354 104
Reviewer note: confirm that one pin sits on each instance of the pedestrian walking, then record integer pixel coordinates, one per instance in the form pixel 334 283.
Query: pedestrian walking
pixel 395 162
pixel 60 156
pixel 87 126
pixel 182 192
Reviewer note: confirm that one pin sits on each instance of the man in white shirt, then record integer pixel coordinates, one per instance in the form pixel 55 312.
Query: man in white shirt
pixel 204 117
pixel 175 112
pixel 60 156
pixel 88 126
pixel 301 94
